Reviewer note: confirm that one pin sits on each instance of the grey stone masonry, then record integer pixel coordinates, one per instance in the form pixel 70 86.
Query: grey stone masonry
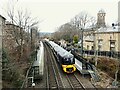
pixel 2 24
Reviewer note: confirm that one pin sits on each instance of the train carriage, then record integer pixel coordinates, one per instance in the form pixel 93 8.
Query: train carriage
pixel 65 58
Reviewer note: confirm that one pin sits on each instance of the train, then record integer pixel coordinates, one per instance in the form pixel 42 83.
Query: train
pixel 64 58
pixel 38 65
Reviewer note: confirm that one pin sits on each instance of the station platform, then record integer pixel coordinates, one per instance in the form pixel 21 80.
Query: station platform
pixel 80 67
pixel 85 71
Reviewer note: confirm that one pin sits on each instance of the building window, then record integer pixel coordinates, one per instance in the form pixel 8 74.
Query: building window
pixel 99 47
pixel 112 45
pixel 112 48
pixel 92 47
pixel 100 44
pixel 87 47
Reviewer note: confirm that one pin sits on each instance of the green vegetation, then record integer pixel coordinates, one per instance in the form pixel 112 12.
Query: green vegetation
pixel 75 38
pixel 14 71
pixel 10 73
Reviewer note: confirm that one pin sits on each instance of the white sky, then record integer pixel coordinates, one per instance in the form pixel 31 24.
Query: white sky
pixel 54 13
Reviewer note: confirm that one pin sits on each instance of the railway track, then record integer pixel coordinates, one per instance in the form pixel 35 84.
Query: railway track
pixel 75 82
pixel 53 78
pixel 85 81
pixel 46 68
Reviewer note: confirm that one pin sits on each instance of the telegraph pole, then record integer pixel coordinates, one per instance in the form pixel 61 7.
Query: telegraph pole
pixel 82 42
pixel 95 49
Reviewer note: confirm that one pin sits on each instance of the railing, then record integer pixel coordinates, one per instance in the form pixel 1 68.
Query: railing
pixel 112 54
pixel 24 85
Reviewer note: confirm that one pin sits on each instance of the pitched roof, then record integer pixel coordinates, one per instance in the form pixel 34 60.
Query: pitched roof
pixel 110 29
pixel 101 11
pixel 3 17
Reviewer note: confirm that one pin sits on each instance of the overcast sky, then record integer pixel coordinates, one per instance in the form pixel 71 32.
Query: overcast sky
pixel 54 13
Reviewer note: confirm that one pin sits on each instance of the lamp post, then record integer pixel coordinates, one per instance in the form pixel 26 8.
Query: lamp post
pixel 95 48
pixel 110 47
pixel 81 41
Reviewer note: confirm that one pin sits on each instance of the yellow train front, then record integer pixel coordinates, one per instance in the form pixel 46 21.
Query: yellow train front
pixel 69 68
pixel 67 62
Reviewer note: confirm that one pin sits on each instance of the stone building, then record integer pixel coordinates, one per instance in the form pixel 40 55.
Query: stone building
pixel 107 39
pixel 2 24
pixel 102 38
pixel 9 39
pixel 34 36
pixel 101 18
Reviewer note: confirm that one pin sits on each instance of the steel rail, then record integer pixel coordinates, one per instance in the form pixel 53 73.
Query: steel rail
pixel 75 82
pixel 46 67
pixel 50 71
pixel 57 69
pixel 80 82
pixel 59 73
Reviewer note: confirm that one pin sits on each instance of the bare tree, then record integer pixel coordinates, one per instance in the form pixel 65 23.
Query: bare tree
pixel 16 44
pixel 83 20
pixel 24 21
pixel 66 32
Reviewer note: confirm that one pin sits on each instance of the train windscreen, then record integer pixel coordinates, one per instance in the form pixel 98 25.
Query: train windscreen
pixel 68 61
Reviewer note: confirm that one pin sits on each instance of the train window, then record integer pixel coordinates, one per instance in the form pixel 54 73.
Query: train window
pixel 71 60
pixel 67 61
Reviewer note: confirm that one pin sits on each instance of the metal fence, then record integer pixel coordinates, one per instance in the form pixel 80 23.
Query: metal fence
pixel 112 54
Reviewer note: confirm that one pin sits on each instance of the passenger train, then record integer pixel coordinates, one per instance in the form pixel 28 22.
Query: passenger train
pixel 38 65
pixel 65 58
